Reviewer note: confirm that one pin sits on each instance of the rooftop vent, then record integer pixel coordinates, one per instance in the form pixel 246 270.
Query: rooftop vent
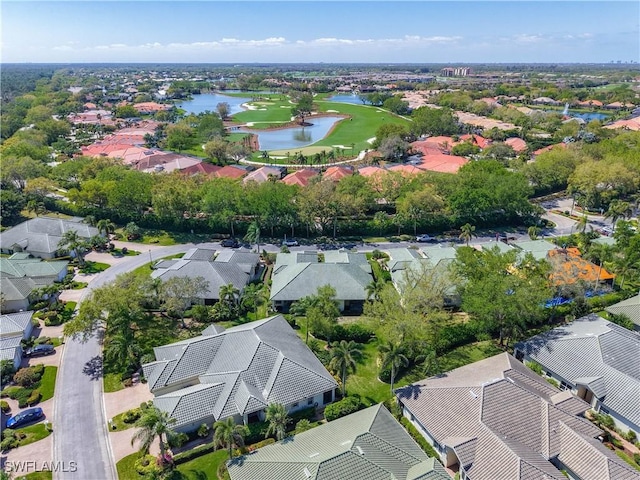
pixel 314 454
pixel 307 473
pixel 360 451
pixel 346 442
pixel 473 394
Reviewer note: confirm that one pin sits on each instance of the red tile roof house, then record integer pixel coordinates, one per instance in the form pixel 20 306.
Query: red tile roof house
pixel 337 173
pixel 229 171
pixel 166 162
pixel 151 107
pixel 548 148
pixel 478 140
pixel 300 177
pixel 442 163
pixel 406 169
pixel 518 144
pixel 202 168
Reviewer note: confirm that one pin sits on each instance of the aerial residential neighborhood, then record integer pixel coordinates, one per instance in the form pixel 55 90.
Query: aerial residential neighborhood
pixel 276 240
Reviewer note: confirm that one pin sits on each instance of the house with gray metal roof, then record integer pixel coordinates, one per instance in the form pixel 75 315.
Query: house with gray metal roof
pixel 237 373
pixel 300 274
pixel 629 307
pixel 14 328
pixel 597 360
pixel 369 444
pixel 40 236
pixel 497 419
pixel 538 248
pixel 227 267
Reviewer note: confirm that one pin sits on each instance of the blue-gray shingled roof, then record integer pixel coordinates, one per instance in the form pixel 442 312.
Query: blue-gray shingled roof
pixel 42 234
pixel 256 364
pixel 366 445
pixel 594 351
pixel 629 307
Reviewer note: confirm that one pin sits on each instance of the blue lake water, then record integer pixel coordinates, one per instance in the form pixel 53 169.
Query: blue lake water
pixel 295 137
pixel 348 98
pixel 587 117
pixel 208 101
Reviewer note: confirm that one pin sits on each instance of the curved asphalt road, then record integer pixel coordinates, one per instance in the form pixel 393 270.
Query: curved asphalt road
pixel 81 448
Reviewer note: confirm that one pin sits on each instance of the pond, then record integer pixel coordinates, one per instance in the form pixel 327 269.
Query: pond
pixel 587 117
pixel 208 101
pixel 346 98
pixel 294 137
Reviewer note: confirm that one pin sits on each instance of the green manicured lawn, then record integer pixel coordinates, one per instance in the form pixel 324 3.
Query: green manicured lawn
pixel 627 459
pixel 119 423
pixel 112 382
pixel 145 270
pixel 34 433
pixel 94 267
pixel 48 382
pixel 201 468
pixel 43 475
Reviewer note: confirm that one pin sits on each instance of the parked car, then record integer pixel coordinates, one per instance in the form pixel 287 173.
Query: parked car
pixel 608 231
pixel 290 242
pixel 424 238
pixel 40 350
pixel 230 242
pixel 25 417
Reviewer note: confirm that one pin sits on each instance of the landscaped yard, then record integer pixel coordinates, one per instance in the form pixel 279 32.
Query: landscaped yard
pixel 33 433
pixel 201 468
pixel 111 382
pixel 90 267
pixel 44 475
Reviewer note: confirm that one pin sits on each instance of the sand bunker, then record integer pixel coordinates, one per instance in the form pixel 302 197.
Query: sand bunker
pixel 371 140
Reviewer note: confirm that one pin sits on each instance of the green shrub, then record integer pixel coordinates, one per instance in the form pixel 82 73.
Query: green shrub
pixel 636 458
pixel 193 453
pixel 306 413
pixel 354 331
pixel 8 443
pixel 303 425
pixel 130 416
pixel 630 436
pixel 203 431
pixel 42 341
pixel 257 432
pixel 264 443
pixel 344 407
pixel 38 370
pixel 536 367
pixel 4 406
pixel 420 440
pixel 147 465
pixel 34 397
pixel 26 377
pixel 616 443
pixel 6 371
pixel 178 439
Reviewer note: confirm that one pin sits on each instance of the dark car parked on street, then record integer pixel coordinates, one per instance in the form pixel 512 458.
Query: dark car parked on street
pixel 230 242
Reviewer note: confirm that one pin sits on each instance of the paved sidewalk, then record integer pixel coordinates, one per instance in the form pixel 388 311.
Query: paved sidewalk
pixel 126 399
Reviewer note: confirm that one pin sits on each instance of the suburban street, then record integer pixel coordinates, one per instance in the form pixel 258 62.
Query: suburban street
pixel 80 433
pixel 80 427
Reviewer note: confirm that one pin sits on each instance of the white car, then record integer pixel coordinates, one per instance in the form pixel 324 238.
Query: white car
pixel 290 242
pixel 424 238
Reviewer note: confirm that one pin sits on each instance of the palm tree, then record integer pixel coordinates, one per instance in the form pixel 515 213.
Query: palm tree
pixel 276 415
pixel 229 294
pixel 599 253
pixel 253 234
pixel 430 365
pixel 253 295
pixel 105 225
pixel 374 288
pixel 228 434
pixel 343 360
pixel 393 358
pixel 617 209
pixel 154 423
pixel 467 232
pixel 73 242
pixel 122 351
pixel 582 224
pixel 533 232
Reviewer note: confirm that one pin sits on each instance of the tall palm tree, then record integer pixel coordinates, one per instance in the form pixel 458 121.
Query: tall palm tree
pixel 599 253
pixel 229 294
pixel 343 360
pixel 430 365
pixel 617 209
pixel 253 234
pixel 582 224
pixel 374 288
pixel 154 423
pixel 228 434
pixel 393 358
pixel 253 296
pixel 122 351
pixel 73 242
pixel 105 225
pixel 467 232
pixel 276 416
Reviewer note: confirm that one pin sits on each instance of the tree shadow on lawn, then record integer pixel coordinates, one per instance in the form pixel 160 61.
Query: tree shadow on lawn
pixel 93 368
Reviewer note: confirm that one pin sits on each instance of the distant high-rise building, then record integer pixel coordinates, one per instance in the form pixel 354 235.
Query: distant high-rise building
pixel 455 72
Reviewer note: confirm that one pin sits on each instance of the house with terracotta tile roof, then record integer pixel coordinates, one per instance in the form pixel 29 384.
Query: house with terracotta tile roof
pixel 548 148
pixel 628 124
pixel 337 173
pixel 371 171
pixel 202 168
pixel 568 268
pixel 165 162
pixel 442 163
pixel 151 107
pixel 230 171
pixel 478 140
pixel 300 177
pixel 264 174
pixel 518 144
pixel 497 419
pixel 406 169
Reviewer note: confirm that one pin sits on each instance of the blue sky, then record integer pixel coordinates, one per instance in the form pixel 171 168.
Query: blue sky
pixel 328 31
